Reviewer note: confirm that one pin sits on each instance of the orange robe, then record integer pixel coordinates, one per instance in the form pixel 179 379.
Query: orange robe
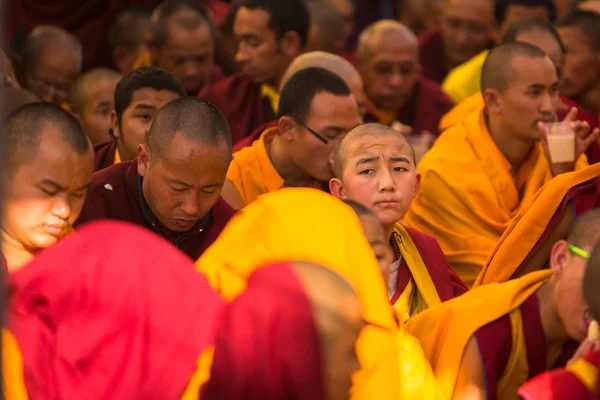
pixel 532 226
pixel 280 227
pixel 468 193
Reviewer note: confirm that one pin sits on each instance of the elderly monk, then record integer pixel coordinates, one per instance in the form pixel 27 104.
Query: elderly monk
pixel 326 28
pixel 526 244
pixel 146 291
pixel 480 172
pixel 173 187
pixel 183 43
pixel 128 38
pixel 467 29
pixel 316 110
pixel 589 5
pixel 270 34
pixel 50 63
pixel 486 343
pixel 388 61
pixel 375 166
pixel 138 97
pixel 92 100
pixel 391 361
pixel 463 81
pixel 12 98
pixel 47 170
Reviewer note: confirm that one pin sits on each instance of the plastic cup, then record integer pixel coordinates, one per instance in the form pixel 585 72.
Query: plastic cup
pixel 561 142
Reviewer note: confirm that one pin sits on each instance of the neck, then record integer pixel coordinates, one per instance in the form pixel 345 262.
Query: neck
pixel 17 256
pixel 285 166
pixel 555 333
pixel 125 156
pixel 590 99
pixel 514 149
pixel 388 230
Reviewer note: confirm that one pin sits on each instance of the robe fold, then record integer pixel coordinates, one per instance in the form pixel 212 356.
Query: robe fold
pixel 104 155
pixel 517 252
pixel 468 194
pixel 509 324
pixel 254 136
pixel 280 227
pixel 465 80
pixel 115 193
pixel 242 103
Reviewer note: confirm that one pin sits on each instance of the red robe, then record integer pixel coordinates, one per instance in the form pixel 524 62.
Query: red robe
pixel 433 56
pixel 104 155
pixel 122 200
pixel 240 100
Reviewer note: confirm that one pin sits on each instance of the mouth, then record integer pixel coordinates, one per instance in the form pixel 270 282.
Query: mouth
pixel 56 229
pixel 184 223
pixel 387 204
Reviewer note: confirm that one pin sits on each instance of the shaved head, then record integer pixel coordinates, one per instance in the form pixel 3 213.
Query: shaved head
pixel 585 232
pixel 498 72
pixel 44 35
pixel 326 28
pixel 370 38
pixel 12 98
pixel 591 281
pixel 77 96
pixel 343 149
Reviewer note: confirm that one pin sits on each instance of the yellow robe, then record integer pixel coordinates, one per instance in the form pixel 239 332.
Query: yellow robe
pixel 445 331
pixel 465 80
pixel 12 369
pixel 461 111
pixel 468 193
pixel 310 225
pixel 528 226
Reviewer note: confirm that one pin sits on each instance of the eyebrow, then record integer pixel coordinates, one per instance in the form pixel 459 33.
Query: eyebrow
pixel 335 128
pixel 57 186
pixel 400 159
pixel 103 104
pixel 178 182
pixel 367 160
pixel 248 36
pixel 536 86
pixel 142 106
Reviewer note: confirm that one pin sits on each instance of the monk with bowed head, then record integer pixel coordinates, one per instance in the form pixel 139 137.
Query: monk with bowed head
pixel 129 36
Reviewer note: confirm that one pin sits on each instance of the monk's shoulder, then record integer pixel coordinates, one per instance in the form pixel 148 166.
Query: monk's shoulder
pixel 433 92
pixel 227 89
pixel 108 182
pixel 222 212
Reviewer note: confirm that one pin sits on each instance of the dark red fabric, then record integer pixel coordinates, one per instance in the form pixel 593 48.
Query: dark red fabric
pixel 267 347
pixel 424 110
pixel 104 155
pixel 433 56
pixel 240 100
pixel 111 312
pixel 121 200
pixel 248 140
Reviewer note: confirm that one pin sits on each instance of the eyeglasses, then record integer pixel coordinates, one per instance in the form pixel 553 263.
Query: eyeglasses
pixel 45 88
pixel 317 135
pixel 579 252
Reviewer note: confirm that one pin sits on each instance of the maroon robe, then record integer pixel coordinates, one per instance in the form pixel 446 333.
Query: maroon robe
pixel 433 56
pixel 104 155
pixel 424 110
pixel 446 281
pixel 239 99
pixel 116 193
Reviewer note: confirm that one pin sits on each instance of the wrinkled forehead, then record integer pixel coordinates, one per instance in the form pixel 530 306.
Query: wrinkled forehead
pixel 375 144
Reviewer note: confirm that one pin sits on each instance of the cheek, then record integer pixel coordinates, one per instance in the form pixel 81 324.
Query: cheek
pixel 361 190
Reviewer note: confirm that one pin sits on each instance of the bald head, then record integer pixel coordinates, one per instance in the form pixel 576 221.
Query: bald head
pixel 498 72
pixel 585 232
pixel 77 94
pixel 372 38
pixel 12 98
pixel 187 14
pixel 326 28
pixel 49 36
pixel 589 5
pixel 591 281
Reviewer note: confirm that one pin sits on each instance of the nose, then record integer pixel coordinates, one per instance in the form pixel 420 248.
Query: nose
pixel 548 103
pixel 190 205
pixel 190 69
pixel 241 55
pixel 461 36
pixel 386 182
pixel 62 207
pixel 396 79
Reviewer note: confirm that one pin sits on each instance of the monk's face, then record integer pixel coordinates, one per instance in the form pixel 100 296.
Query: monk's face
pixel 380 174
pixel 390 71
pixel 188 54
pixel 548 44
pixel 346 10
pixel 98 103
pixel 518 12
pixel 590 5
pixel 331 117
pixel 44 197
pixel 260 54
pixel 582 63
pixel 531 97
pixel 374 234
pixel 185 183
pixel 136 119
pixel 467 29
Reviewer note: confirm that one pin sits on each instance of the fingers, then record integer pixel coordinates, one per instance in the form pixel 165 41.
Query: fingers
pixel 591 138
pixel 571 115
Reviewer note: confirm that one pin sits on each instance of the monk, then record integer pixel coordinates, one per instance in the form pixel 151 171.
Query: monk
pixel 526 244
pixel 51 61
pixel 173 187
pixel 480 172
pixel 316 110
pixel 486 343
pixel 374 165
pixel 270 34
pixel 183 43
pixel 92 100
pixel 463 81
pixel 12 98
pixel 467 29
pixel 47 170
pixel 138 96
pixel 128 38
pixel 326 28
pixel 589 5
pixel 388 61
pixel 122 296
pixel 392 366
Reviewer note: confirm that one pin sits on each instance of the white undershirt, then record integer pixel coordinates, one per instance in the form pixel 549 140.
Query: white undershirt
pixel 392 284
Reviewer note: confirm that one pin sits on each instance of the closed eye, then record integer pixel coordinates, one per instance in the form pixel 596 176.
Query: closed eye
pixel 179 190
pixel 366 172
pixel 400 169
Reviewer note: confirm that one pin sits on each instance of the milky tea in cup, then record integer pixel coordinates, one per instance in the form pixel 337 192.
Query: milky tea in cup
pixel 561 142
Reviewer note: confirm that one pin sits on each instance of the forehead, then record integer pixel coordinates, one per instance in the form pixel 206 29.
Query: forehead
pixel 156 98
pixel 545 41
pixel 251 21
pixel 530 70
pixel 57 62
pixel 325 106
pixel 376 144
pixel 573 36
pixel 180 35
pixel 470 10
pixel 103 88
pixel 392 45
pixel 517 12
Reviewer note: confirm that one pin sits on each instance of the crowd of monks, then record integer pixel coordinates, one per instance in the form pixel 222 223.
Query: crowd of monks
pixel 301 199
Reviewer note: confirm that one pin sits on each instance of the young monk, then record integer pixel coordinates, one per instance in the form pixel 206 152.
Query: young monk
pixel 489 341
pixel 315 111
pixel 173 187
pixel 47 169
pixel 478 175
pixel 92 100
pixel 374 165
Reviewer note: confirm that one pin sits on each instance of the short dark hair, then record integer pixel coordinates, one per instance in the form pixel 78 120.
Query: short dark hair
pixel 586 21
pixel 501 8
pixel 285 16
pixel 299 91
pixel 126 30
pixel 140 78
pixel 531 25
pixel 168 8
pixel 23 127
